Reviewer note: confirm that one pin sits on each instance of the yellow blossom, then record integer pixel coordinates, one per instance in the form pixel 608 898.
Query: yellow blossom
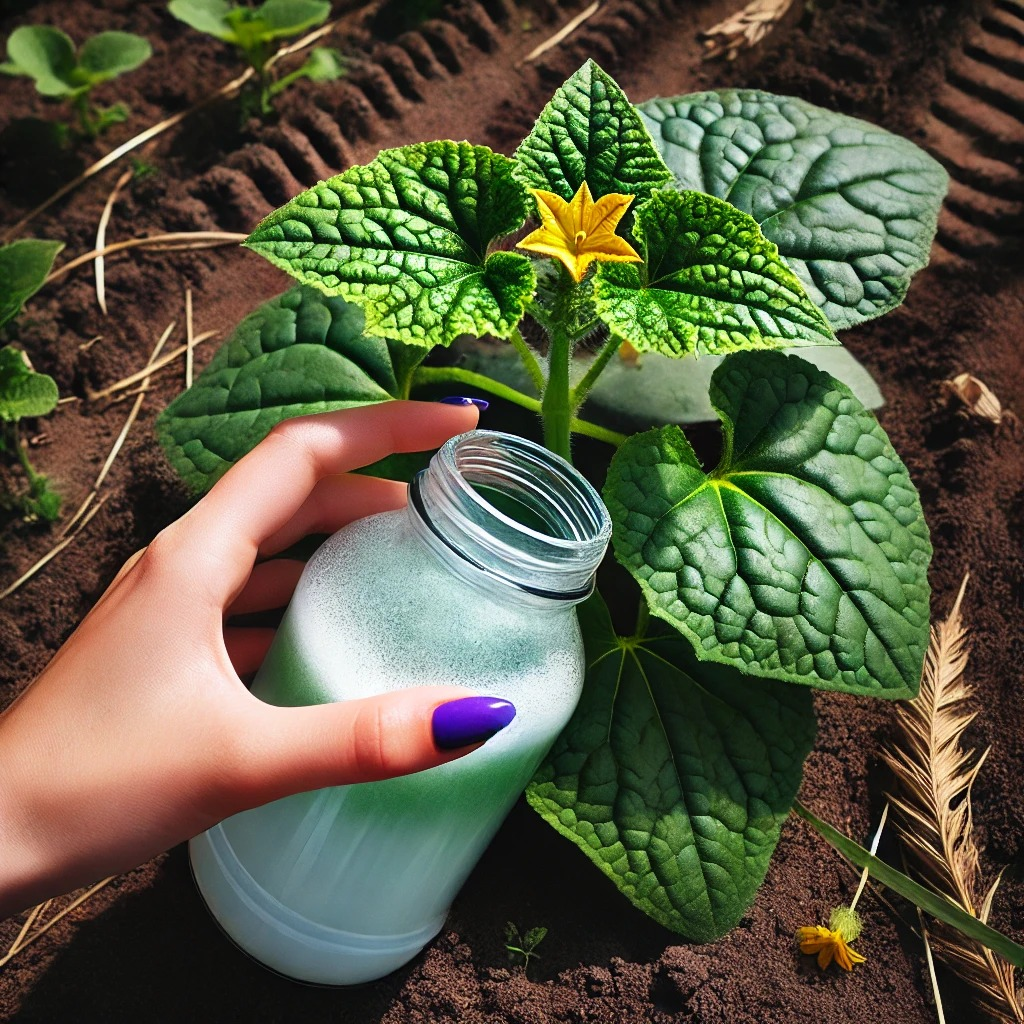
pixel 833 943
pixel 580 231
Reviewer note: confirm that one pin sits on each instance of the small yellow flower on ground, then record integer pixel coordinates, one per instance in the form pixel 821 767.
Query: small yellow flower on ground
pixel 833 943
pixel 580 231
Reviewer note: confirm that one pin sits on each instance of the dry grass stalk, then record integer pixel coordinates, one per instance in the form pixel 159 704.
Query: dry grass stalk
pixel 169 242
pixel 935 775
pixel 980 400
pixel 105 469
pixel 101 238
pixel 744 29
pixel 224 92
pixel 190 340
pixel 146 371
pixel 53 552
pixel 563 33
pixel 25 939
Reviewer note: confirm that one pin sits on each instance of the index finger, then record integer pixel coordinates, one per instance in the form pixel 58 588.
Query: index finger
pixel 259 494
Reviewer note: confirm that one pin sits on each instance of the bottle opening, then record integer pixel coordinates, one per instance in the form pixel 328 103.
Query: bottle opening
pixel 516 511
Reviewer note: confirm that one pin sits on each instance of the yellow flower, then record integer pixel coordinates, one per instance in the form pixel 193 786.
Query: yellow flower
pixel 580 231
pixel 832 943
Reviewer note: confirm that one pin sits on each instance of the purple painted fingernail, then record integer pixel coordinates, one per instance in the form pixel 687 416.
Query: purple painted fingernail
pixel 480 403
pixel 470 720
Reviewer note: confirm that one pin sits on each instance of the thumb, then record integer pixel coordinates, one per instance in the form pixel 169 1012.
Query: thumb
pixel 373 738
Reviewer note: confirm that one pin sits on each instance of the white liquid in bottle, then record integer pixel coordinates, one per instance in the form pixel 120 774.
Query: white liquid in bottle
pixel 344 885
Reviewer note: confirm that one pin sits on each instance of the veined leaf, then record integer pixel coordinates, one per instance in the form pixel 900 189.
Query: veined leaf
pixel 590 132
pixel 24 266
pixel 710 283
pixel 248 27
pixel 298 354
pixel 406 237
pixel 209 16
pixel 23 392
pixel 804 555
pixel 674 777
pixel 852 207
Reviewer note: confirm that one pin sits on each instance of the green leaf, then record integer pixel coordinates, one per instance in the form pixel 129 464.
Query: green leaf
pixel 283 18
pixel 46 55
pixel 591 132
pixel 658 389
pixel 406 237
pixel 674 777
pixel 930 902
pixel 298 354
pixel 209 16
pixel 851 207
pixel 803 556
pixel 110 54
pixel 23 392
pixel 24 267
pixel 710 283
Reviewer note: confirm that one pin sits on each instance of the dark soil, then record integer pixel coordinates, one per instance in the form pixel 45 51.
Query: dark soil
pixel 949 75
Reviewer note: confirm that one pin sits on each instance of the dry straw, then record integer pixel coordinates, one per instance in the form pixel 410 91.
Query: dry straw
pixel 933 802
pixel 744 29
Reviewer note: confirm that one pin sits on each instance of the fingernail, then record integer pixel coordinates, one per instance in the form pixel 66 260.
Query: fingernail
pixel 470 720
pixel 480 403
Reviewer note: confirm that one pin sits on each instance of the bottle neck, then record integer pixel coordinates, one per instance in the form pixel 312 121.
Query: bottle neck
pixel 505 511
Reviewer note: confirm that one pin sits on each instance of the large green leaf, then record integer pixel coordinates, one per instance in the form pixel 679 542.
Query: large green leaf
pixel 591 132
pixel 804 555
pixel 674 777
pixel 852 207
pixel 24 267
pixel 298 354
pixel 280 19
pixel 110 54
pixel 710 283
pixel 23 392
pixel 46 55
pixel 406 237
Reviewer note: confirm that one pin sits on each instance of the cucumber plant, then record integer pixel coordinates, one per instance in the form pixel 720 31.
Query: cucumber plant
pixel 47 56
pixel 737 225
pixel 254 31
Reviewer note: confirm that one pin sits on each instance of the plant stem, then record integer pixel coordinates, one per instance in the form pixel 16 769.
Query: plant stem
pixel 589 379
pixel 529 358
pixel 643 618
pixel 444 374
pixel 555 408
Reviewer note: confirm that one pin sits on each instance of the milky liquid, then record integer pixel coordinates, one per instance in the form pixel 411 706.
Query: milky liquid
pixel 377 611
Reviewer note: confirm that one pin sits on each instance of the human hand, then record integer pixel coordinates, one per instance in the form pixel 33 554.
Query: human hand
pixel 140 733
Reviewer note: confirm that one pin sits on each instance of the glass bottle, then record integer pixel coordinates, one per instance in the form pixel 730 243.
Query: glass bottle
pixel 474 583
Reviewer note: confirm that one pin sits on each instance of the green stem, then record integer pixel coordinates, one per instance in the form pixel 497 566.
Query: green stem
pixel 454 374
pixel 81 104
pixel 555 409
pixel 529 358
pixel 579 393
pixel 643 618
pixel 930 902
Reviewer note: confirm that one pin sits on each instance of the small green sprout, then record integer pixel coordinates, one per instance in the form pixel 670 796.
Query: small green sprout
pixel 523 947
pixel 24 266
pixel 23 393
pixel 254 30
pixel 47 56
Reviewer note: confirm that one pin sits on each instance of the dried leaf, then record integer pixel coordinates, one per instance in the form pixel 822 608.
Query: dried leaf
pixel 935 775
pixel 979 399
pixel 744 29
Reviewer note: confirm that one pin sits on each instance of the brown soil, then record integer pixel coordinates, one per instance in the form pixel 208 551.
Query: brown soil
pixel 949 75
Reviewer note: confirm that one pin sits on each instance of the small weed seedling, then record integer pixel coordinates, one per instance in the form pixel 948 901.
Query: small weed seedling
pixel 24 266
pixel 254 30
pixel 523 947
pixel 47 56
